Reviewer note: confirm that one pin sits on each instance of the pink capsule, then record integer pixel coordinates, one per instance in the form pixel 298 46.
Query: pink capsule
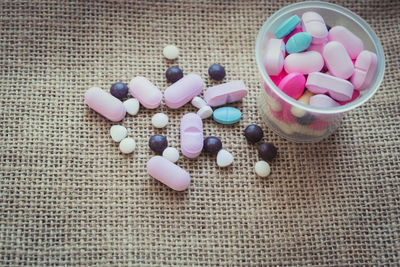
pixel 225 93
pixel 168 173
pixel 191 135
pixel 145 92
pixel 274 56
pixel 105 104
pixel 337 60
pixel 321 83
pixel 305 62
pixel 293 84
pixel 183 91
pixel 349 40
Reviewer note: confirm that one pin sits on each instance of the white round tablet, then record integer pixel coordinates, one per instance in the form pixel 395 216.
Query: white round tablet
pixel 118 132
pixel 198 102
pixel 205 112
pixel 127 145
pixel 171 154
pixel 262 168
pixel 171 52
pixel 224 158
pixel 132 106
pixel 159 120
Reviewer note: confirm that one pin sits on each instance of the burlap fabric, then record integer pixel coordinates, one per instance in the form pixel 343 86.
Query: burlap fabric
pixel 69 197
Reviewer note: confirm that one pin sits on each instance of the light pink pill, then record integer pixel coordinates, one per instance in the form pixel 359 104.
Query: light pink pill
pixel 274 56
pixel 168 173
pixel 337 60
pixel 323 101
pixel 349 40
pixel 183 91
pixel 225 93
pixel 305 62
pixel 321 83
pixel 293 84
pixel 105 104
pixel 314 24
pixel 365 70
pixel 145 92
pixel 191 135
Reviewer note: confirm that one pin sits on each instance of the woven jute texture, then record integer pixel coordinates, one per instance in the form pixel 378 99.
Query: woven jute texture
pixel 69 197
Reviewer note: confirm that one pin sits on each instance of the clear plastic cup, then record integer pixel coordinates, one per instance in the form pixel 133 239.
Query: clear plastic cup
pixel 276 107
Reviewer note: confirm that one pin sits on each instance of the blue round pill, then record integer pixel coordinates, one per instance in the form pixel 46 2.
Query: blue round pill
pixel 216 72
pixel 119 90
pixel 173 74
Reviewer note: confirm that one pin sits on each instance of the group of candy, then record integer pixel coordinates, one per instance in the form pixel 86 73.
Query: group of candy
pixel 330 62
pixel 184 89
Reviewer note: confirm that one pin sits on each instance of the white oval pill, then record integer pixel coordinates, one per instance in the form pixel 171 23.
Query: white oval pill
pixel 205 112
pixel 159 120
pixel 262 168
pixel 118 132
pixel 127 145
pixel 198 102
pixel 171 52
pixel 171 154
pixel 132 106
pixel 224 158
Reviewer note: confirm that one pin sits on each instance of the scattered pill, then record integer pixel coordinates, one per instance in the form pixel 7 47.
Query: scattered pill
pixel 212 145
pixel 224 158
pixel 227 115
pixel 337 60
pixel 205 112
pixel 145 92
pixel 262 168
pixel 323 101
pixel 159 120
pixel 105 104
pixel 118 132
pixel 337 88
pixel 127 145
pixel 191 135
pixel 216 72
pixel 287 26
pixel 132 106
pixel 183 91
pixel 314 24
pixel 293 84
pixel 173 74
pixel 305 62
pixel 119 90
pixel 198 102
pixel 171 52
pixel 364 70
pixel 274 56
pixel 267 151
pixel 253 133
pixel 349 40
pixel 225 93
pixel 171 153
pixel 158 143
pixel 168 173
pixel 298 42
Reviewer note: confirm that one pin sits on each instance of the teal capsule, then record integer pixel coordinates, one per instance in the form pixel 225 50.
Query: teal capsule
pixel 227 115
pixel 298 42
pixel 287 26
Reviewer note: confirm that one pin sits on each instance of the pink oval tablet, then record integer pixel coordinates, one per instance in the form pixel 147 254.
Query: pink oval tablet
pixel 293 84
pixel 225 93
pixel 168 173
pixel 191 135
pixel 337 60
pixel 323 101
pixel 314 24
pixel 276 79
pixel 321 83
pixel 305 62
pixel 183 91
pixel 365 70
pixel 274 56
pixel 145 92
pixel 349 40
pixel 105 104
